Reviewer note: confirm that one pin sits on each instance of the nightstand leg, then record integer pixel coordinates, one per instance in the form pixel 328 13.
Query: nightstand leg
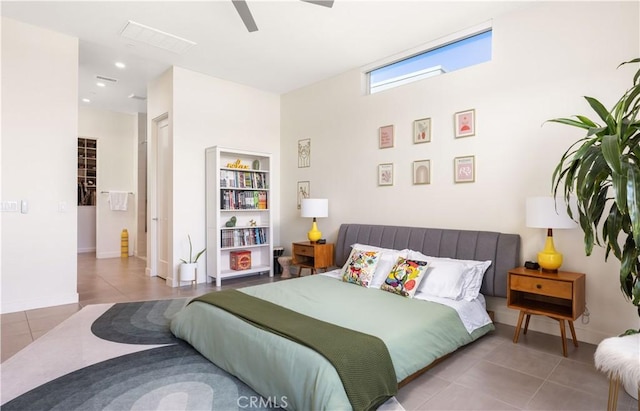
pixel 563 334
pixel 526 323
pixel 573 333
pixel 517 334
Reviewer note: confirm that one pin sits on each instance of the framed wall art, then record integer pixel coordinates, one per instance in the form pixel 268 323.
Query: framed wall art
pixel 304 153
pixel 422 131
pixel 465 123
pixel 303 191
pixel 385 174
pixel 422 172
pixel 385 137
pixel 464 169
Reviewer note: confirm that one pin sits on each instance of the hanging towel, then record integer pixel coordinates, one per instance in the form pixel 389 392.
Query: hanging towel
pixel 118 200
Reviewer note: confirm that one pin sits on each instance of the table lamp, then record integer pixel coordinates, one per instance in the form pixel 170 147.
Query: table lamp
pixel 314 208
pixel 542 212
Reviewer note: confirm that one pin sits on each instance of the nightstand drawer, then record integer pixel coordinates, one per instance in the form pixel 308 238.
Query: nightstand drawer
pixel 551 288
pixel 303 250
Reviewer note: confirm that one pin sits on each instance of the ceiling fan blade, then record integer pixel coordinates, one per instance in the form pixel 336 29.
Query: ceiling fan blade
pixel 245 14
pixel 325 3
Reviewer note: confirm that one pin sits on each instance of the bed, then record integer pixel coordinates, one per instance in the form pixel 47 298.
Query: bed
pixel 417 332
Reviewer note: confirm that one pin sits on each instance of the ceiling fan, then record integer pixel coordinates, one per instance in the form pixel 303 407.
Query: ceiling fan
pixel 245 14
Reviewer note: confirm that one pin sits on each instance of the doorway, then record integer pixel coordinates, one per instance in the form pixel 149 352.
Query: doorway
pixel 159 198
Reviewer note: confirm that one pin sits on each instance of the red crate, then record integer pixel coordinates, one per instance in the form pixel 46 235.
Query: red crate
pixel 240 260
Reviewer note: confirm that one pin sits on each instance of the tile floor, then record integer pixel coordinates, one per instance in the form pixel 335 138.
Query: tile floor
pixel 100 281
pixel 490 374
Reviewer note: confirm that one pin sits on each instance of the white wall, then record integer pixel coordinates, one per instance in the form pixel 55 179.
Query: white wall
pixel 159 105
pixel 117 158
pixel 545 58
pixel 205 111
pixel 39 165
pixel 209 112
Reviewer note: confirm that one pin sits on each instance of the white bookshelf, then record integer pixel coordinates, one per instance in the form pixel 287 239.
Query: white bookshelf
pixel 238 184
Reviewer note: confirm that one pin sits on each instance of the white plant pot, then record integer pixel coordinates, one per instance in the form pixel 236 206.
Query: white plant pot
pixel 188 271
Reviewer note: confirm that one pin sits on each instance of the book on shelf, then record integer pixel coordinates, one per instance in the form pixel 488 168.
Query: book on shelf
pixel 241 237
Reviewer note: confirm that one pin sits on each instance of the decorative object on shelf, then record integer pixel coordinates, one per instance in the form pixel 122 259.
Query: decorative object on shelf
pixel 304 153
pixel 303 191
pixel 422 172
pixel 422 131
pixel 385 137
pixel 314 208
pixel 231 222
pixel 464 123
pixel 543 212
pixel 252 223
pixel 385 174
pixel 255 165
pixel 602 169
pixel 188 268
pixel 240 260
pixel 238 164
pixel 464 169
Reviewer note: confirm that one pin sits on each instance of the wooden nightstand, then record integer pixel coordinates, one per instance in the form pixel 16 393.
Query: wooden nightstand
pixel 558 295
pixel 312 255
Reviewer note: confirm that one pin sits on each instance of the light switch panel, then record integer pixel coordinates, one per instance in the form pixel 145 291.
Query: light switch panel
pixel 9 206
pixel 24 206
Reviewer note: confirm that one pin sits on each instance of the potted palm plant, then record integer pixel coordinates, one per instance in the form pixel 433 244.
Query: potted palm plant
pixel 602 171
pixel 188 268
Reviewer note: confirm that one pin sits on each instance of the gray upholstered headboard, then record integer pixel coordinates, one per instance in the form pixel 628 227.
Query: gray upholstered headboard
pixel 502 249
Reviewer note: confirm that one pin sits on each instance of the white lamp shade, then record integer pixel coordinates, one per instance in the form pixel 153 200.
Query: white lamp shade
pixel 542 212
pixel 314 207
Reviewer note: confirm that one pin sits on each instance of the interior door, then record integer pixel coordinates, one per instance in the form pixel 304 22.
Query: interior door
pixel 161 219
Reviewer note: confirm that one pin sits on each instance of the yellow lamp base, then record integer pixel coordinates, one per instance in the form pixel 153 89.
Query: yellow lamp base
pixel 314 234
pixel 549 259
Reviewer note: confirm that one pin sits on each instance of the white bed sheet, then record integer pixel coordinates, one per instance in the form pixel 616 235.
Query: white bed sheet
pixel 473 314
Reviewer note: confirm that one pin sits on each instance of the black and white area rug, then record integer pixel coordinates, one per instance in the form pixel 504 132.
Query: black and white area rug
pixel 122 357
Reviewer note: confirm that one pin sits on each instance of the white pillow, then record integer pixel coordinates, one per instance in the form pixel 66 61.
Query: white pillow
pixel 387 260
pixel 452 278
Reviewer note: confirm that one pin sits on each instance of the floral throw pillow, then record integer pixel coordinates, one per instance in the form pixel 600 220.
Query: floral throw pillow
pixel 405 276
pixel 360 267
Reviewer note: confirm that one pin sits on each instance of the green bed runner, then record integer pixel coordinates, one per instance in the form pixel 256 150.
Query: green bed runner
pixel 361 360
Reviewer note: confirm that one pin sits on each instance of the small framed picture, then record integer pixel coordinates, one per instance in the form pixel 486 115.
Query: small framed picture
pixel 304 153
pixel 422 172
pixel 422 131
pixel 385 174
pixel 385 137
pixel 303 191
pixel 465 123
pixel 464 169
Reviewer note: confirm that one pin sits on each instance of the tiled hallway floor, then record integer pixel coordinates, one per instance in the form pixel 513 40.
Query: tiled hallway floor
pixel 108 280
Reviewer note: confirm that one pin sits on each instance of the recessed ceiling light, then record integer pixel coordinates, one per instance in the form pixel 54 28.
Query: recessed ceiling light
pixel 120 65
pixel 86 100
pixel 101 84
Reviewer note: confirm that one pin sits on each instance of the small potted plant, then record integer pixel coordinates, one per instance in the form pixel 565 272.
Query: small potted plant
pixel 188 268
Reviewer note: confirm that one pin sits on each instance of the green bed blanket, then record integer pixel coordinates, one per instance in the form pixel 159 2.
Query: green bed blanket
pixel 367 375
pixel 415 332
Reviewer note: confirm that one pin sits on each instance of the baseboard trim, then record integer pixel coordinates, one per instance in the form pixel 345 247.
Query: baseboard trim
pixel 49 301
